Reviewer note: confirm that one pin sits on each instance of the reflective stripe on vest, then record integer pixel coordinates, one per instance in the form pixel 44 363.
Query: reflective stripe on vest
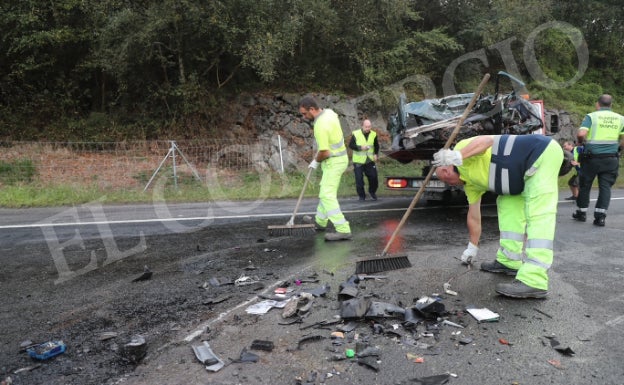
pixel 337 149
pixel 512 157
pixel 360 140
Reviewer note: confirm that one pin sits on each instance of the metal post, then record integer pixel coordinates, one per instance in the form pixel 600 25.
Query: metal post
pixel 279 144
pixel 173 158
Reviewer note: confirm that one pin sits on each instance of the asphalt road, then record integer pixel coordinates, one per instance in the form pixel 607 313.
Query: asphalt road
pixel 584 312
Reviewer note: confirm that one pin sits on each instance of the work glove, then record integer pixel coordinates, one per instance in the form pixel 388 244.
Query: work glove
pixel 314 164
pixel 469 254
pixel 447 158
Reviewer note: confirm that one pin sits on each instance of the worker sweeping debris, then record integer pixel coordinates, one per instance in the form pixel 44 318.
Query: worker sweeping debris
pixel 332 156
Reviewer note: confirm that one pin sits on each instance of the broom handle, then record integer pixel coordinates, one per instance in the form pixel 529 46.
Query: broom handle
pixel 305 184
pixel 449 141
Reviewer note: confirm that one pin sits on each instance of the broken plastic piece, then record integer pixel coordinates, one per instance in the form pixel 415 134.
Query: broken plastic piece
pixel 453 324
pixel 447 289
pixel 555 345
pixel 383 309
pixel 46 350
pixel 246 356
pixel 432 380
pixel 206 356
pixel 483 314
pixel 353 308
pixel 369 362
pixel 267 346
pixel 309 339
pixel 135 350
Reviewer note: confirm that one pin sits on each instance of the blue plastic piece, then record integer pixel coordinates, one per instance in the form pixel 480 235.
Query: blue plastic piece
pixel 46 350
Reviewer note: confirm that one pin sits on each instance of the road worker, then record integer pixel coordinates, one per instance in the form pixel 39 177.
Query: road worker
pixel 332 156
pixel 365 148
pixel 523 171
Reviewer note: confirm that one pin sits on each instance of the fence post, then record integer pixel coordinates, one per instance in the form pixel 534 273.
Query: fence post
pixel 279 144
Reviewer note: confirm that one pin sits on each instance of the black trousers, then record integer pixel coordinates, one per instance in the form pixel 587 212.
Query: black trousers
pixel 370 170
pixel 606 170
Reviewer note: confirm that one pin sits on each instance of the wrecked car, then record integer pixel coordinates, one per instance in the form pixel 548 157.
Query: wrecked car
pixel 419 129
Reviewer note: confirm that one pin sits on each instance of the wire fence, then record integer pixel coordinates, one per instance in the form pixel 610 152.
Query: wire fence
pixel 130 165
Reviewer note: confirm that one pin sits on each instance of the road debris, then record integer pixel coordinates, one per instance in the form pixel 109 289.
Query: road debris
pixel 206 356
pixel 46 350
pixel 483 314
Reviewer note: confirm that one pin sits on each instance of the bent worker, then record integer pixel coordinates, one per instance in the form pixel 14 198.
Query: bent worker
pixel 332 156
pixel 601 132
pixel 365 148
pixel 523 171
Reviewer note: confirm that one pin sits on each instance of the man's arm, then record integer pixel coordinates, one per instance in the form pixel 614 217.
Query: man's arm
pixel 322 155
pixel 477 146
pixel 352 144
pixel 474 222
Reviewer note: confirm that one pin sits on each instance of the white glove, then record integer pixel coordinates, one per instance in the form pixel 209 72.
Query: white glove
pixel 447 158
pixel 314 164
pixel 469 254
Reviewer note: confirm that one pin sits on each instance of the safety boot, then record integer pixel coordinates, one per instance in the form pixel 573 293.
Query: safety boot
pixel 497 267
pixel 599 219
pixel 337 236
pixel 580 216
pixel 517 289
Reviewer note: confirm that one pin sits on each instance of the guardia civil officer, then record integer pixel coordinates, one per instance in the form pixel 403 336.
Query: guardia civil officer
pixel 601 132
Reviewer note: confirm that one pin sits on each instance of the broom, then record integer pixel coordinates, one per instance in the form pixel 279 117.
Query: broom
pixel 374 265
pixel 290 228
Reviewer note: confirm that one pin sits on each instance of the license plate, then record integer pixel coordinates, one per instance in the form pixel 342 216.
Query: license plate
pixel 432 183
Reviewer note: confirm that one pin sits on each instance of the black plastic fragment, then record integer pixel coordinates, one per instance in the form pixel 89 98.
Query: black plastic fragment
pixel 438 379
pixel 267 346
pixel 557 346
pixel 369 362
pixel 309 339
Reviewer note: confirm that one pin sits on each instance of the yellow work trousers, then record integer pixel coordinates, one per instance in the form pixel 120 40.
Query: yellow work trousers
pixel 328 208
pixel 528 221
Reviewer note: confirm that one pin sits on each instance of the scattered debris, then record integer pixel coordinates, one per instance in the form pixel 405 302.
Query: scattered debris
pixel 107 336
pixel 267 346
pixel 206 356
pixel 147 274
pixel 216 282
pixel 264 306
pixel 557 346
pixel 246 356
pixel 543 313
pixel 26 369
pixel 244 280
pixel 447 289
pixel 212 301
pixel 432 380
pixel 483 314
pixel 369 362
pixel 453 324
pixel 46 350
pixel 556 364
pixel 308 339
pixel 503 341
pixel 465 341
pixel 298 304
pixel 135 350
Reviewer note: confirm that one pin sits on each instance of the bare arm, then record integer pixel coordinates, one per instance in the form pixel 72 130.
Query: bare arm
pixel 474 222
pixel 322 155
pixel 580 136
pixel 477 146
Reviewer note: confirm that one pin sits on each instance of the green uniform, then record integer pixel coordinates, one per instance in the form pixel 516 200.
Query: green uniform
pixel 523 170
pixel 600 158
pixel 328 135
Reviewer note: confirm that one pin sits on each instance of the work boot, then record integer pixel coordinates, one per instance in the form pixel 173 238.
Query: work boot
pixel 338 236
pixel 599 219
pixel 571 198
pixel 517 289
pixel 580 216
pixel 310 220
pixel 497 267
pixel 374 196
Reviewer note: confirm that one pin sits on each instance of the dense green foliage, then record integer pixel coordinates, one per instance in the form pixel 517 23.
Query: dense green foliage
pixel 117 69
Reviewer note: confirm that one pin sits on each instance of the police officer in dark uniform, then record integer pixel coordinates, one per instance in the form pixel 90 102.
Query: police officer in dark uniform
pixel 602 132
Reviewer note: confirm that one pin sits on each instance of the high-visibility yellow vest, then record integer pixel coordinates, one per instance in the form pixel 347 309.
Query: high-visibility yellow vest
pixel 360 140
pixel 604 133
